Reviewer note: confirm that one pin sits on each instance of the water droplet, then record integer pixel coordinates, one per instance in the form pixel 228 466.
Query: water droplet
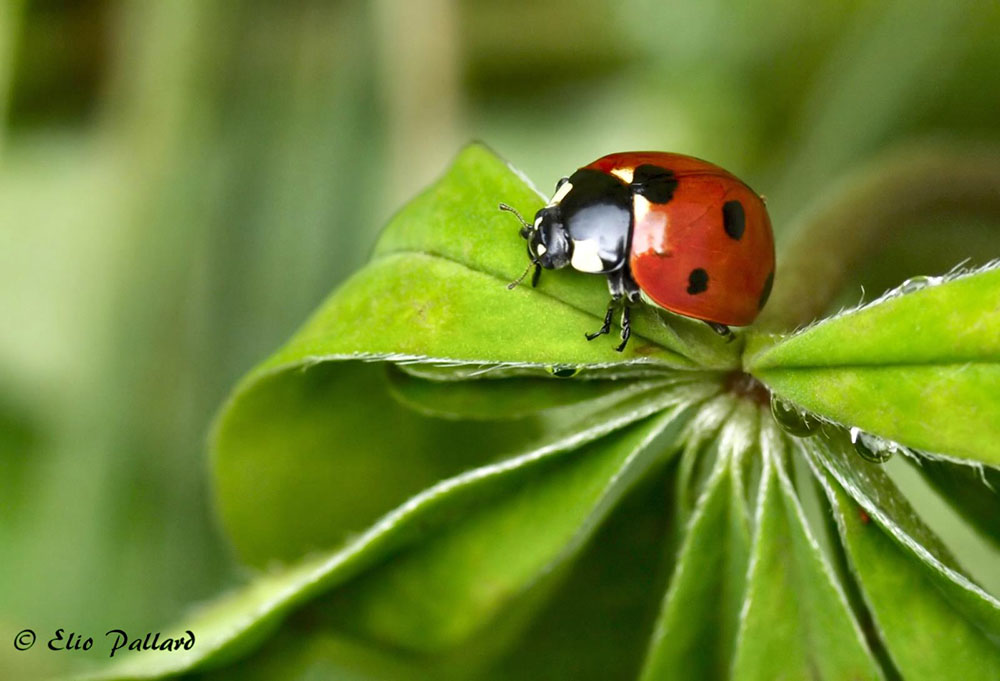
pixel 871 448
pixel 564 370
pixel 792 420
pixel 915 284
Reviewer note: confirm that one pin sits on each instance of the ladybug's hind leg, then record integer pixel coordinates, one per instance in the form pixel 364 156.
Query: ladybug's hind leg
pixel 723 331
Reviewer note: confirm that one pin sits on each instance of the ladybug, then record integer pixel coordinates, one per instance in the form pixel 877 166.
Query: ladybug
pixel 669 229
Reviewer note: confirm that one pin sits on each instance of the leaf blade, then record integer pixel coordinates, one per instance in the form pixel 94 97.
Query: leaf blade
pixel 708 578
pixel 445 590
pixel 928 639
pixel 921 368
pixel 814 634
pixel 237 622
pixel 868 485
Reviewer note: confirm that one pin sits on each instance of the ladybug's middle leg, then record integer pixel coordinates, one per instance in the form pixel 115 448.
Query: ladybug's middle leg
pixel 623 290
pixel 616 286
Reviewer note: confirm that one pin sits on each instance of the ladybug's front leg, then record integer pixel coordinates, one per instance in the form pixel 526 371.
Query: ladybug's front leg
pixel 606 327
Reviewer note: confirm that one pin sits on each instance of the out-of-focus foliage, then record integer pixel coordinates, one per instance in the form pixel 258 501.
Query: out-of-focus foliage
pixel 180 183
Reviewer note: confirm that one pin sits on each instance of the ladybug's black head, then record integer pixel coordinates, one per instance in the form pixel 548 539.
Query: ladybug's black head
pixel 548 240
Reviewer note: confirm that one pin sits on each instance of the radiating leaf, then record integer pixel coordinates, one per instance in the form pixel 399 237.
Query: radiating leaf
pixel 796 622
pixel 435 521
pixel 868 484
pixel 423 307
pixel 591 628
pixel 514 398
pixel 696 631
pixel 925 635
pixel 447 588
pixel 596 625
pixel 921 369
pixel 701 449
pixel 301 461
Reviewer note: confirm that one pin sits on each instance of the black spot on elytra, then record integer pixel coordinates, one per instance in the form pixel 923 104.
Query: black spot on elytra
pixel 766 293
pixel 654 183
pixel 697 281
pixel 733 219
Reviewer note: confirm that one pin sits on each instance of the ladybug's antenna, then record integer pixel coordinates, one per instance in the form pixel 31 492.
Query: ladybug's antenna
pixel 525 229
pixel 527 269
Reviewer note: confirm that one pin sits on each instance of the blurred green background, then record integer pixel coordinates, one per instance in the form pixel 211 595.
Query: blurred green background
pixel 182 182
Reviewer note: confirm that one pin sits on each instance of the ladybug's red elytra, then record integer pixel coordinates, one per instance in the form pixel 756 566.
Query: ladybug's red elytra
pixel 680 232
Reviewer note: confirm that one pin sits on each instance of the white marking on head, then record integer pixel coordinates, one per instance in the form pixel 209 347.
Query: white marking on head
pixel 587 257
pixel 623 174
pixel 653 236
pixel 561 193
pixel 540 250
pixel 538 222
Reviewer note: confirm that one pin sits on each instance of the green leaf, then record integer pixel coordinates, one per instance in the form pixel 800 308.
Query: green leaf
pixel 411 306
pixel 595 627
pixel 300 462
pixel 436 518
pixel 921 369
pixel 701 449
pixel 869 486
pixel 515 398
pixel 925 636
pixel 696 630
pixel 447 588
pixel 796 622
pixel 602 606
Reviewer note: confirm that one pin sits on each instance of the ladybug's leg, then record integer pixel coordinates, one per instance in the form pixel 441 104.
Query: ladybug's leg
pixel 626 327
pixel 606 327
pixel 723 331
pixel 616 286
pixel 631 291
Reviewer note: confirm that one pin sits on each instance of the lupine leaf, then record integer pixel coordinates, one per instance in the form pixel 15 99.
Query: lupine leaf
pixel 870 487
pixel 920 368
pixel 602 606
pixel 696 631
pixel 925 635
pixel 513 398
pixel 301 461
pixel 796 622
pixel 493 498
pixel 444 590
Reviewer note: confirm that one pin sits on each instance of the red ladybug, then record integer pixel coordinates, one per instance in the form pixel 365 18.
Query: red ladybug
pixel 688 235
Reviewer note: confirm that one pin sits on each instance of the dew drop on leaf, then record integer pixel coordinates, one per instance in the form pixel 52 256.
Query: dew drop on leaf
pixel 564 370
pixel 871 448
pixel 916 283
pixel 792 420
